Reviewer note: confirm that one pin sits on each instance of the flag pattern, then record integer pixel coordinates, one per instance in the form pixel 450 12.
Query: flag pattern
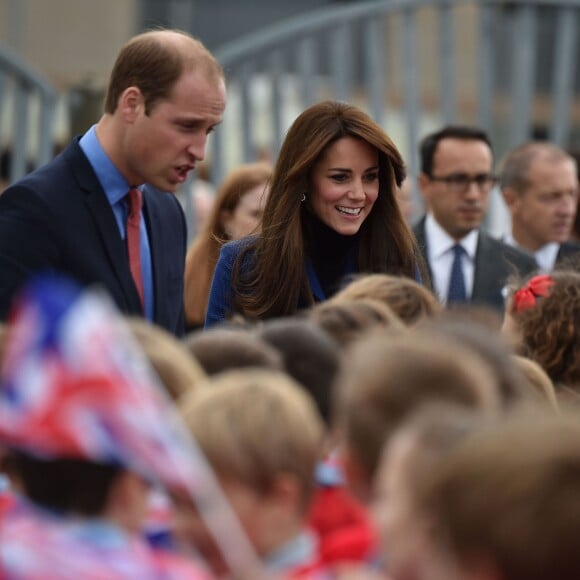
pixel 38 545
pixel 74 384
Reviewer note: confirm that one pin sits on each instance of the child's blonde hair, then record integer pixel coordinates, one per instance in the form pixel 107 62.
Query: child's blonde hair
pixel 178 370
pixel 538 380
pixel 388 378
pixel 409 300
pixel 254 425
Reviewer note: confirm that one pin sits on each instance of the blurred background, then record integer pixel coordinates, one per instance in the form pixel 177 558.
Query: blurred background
pixel 414 65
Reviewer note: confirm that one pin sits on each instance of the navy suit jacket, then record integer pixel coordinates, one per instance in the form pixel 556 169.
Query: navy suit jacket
pixel 568 255
pixel 58 219
pixel 495 263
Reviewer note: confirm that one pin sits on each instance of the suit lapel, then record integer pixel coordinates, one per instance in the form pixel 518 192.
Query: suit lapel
pixel 154 231
pixel 485 274
pixel 102 214
pixel 567 251
pixel 419 231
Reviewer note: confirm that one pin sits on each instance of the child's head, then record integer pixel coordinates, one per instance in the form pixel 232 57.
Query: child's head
pixel 176 368
pixel 386 379
pixel 310 355
pixel 486 342
pixel 409 300
pixel 504 504
pixel 544 314
pixel 262 435
pixel 78 488
pixel 413 451
pixel 220 349
pixel 348 320
pixel 538 381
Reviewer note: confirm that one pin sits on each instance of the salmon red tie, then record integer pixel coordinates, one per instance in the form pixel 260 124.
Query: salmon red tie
pixel 134 240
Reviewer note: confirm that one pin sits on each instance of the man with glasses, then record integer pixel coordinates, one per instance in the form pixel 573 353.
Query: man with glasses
pixel 539 183
pixel 466 264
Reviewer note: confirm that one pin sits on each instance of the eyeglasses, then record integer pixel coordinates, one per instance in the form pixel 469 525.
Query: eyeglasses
pixel 460 182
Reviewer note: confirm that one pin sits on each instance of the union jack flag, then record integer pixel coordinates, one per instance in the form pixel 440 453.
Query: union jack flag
pixel 74 384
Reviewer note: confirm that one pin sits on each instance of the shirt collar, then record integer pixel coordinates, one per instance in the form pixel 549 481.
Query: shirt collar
pixel 441 242
pixel 112 181
pixel 299 551
pixel 545 256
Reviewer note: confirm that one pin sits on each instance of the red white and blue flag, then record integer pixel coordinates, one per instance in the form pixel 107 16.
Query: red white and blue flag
pixel 74 384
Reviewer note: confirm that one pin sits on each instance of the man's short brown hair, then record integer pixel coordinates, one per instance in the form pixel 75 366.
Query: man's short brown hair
pixel 154 61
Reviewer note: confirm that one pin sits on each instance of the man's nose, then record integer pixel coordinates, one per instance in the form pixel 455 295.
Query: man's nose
pixel 197 147
pixel 473 190
pixel 568 205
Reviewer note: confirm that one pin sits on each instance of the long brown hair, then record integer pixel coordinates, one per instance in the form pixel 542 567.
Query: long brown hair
pixel 203 253
pixel 276 279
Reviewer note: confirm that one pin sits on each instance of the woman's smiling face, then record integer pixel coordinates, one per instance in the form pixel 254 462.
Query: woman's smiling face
pixel 345 185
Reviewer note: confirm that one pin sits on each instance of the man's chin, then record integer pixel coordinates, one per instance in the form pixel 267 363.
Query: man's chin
pixel 166 186
pixel 559 238
pixel 466 229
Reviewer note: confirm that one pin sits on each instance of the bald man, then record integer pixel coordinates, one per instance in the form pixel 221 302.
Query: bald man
pixel 539 183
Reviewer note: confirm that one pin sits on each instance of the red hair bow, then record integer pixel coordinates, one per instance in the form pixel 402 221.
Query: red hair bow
pixel 525 297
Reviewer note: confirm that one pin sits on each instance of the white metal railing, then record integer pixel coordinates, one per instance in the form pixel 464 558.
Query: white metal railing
pixel 30 122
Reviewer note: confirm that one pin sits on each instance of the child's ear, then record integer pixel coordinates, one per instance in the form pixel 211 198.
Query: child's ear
pixel 288 491
pixel 127 501
pixel 357 478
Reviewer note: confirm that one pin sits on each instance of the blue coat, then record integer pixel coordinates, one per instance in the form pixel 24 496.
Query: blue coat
pixel 221 294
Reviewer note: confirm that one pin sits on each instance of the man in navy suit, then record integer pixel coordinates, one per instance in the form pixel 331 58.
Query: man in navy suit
pixel 539 183
pixel 466 264
pixel 165 95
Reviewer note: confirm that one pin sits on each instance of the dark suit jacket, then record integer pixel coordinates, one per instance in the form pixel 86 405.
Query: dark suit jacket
pixel 569 254
pixel 495 262
pixel 59 219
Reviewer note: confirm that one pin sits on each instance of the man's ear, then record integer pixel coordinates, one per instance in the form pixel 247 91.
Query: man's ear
pixel 511 198
pixel 130 103
pixel 425 186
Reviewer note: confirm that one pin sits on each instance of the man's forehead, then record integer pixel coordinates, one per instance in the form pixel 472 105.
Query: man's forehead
pixel 462 151
pixel 544 167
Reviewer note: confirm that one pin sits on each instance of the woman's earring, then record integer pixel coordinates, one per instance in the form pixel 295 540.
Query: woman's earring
pixel 303 198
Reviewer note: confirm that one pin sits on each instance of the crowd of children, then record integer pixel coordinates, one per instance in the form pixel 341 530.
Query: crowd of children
pixel 374 436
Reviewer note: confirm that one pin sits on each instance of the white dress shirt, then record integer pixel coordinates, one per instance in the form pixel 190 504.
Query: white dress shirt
pixel 440 255
pixel 545 256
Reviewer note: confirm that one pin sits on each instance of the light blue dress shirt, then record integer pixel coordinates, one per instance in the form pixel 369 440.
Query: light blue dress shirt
pixel 116 188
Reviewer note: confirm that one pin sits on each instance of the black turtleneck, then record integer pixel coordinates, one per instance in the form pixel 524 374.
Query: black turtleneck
pixel 328 251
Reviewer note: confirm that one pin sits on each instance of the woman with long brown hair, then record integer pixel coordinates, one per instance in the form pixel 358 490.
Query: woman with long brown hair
pixel 236 213
pixel 332 211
